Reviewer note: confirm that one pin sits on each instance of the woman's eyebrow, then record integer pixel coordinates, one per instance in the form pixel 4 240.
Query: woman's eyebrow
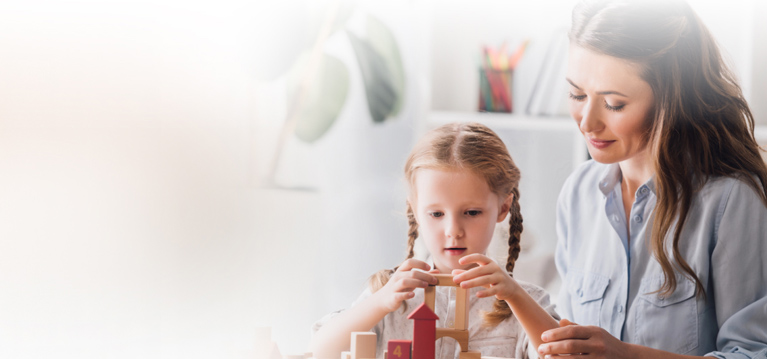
pixel 598 93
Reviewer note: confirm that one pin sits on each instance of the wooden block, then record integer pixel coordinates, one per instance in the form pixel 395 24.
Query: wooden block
pixel 445 280
pixel 470 355
pixel 386 354
pixel 429 297
pixel 346 355
pixel 461 309
pixel 363 345
pixel 399 349
pixel 461 336
pixel 424 330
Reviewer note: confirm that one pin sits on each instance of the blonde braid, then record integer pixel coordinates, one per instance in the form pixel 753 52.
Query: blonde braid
pixel 501 310
pixel 515 231
pixel 412 232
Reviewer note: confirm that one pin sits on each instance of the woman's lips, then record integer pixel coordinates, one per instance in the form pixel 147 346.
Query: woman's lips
pixel 600 144
pixel 455 251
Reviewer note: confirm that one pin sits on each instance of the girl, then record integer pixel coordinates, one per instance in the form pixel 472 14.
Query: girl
pixel 663 237
pixel 462 182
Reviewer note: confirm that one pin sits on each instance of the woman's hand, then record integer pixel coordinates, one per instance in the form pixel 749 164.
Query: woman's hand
pixel 403 282
pixel 580 340
pixel 486 274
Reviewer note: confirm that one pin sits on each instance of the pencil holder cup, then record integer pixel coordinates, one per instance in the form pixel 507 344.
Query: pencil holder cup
pixel 495 90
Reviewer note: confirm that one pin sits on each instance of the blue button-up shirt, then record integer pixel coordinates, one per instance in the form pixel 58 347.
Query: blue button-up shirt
pixel 610 274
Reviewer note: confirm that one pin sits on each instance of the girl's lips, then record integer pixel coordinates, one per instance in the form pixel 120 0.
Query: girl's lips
pixel 455 251
pixel 600 144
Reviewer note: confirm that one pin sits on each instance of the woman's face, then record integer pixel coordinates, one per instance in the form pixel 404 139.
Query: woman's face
pixel 611 104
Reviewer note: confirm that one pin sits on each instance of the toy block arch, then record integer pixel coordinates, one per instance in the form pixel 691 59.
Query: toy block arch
pixel 461 314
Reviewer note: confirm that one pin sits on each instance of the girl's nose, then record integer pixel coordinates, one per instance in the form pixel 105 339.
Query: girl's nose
pixel 454 229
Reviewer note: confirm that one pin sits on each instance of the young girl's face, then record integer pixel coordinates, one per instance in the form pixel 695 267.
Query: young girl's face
pixel 456 214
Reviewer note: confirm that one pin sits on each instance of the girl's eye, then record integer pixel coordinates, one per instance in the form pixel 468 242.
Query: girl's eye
pixel 436 214
pixel 576 98
pixel 614 108
pixel 473 212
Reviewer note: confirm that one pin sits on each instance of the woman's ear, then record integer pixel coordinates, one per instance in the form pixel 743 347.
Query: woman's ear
pixel 505 206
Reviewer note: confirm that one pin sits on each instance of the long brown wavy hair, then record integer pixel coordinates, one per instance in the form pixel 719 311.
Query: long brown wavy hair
pixel 476 148
pixel 702 126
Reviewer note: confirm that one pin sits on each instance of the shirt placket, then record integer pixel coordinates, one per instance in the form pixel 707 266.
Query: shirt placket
pixel 637 219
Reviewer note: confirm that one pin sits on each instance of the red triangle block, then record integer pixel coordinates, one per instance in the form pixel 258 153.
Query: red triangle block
pixel 423 312
pixel 424 332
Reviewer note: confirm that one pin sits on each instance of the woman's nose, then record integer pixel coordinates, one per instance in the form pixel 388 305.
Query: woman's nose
pixel 589 118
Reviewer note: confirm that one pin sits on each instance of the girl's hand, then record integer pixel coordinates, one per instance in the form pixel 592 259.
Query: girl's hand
pixel 580 340
pixel 403 282
pixel 487 274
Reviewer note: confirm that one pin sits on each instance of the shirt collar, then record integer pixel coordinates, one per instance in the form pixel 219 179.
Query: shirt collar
pixel 612 177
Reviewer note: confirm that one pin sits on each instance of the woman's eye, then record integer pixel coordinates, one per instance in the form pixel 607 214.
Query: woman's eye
pixel 473 213
pixel 436 214
pixel 576 98
pixel 613 108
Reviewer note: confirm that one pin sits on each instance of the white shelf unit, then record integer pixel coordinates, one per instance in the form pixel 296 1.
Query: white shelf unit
pixel 505 121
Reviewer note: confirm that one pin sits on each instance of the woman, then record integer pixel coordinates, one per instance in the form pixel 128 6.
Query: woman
pixel 663 236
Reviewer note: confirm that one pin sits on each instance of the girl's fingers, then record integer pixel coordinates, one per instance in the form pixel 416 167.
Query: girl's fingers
pixel 474 273
pixel 482 281
pixel 413 263
pixel 425 276
pixel 403 296
pixel 480 259
pixel 409 284
pixel 417 274
pixel 456 272
pixel 487 292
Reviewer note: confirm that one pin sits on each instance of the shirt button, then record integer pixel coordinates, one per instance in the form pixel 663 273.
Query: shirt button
pixel 615 218
pixel 638 218
pixel 580 293
pixel 620 309
pixel 644 190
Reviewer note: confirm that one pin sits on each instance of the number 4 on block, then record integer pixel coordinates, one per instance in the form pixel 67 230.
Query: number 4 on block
pixel 399 349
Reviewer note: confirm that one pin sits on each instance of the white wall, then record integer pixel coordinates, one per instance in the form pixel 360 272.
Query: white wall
pixel 126 224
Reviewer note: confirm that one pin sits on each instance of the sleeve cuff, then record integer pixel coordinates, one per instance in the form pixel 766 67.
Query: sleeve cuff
pixel 739 353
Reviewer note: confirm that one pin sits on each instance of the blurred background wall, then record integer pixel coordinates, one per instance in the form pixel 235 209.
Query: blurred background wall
pixel 142 211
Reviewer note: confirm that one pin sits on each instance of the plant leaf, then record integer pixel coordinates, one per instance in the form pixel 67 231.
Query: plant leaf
pixel 323 98
pixel 379 86
pixel 384 42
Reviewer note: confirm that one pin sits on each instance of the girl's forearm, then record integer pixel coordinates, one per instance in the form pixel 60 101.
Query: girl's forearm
pixel 534 319
pixel 335 336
